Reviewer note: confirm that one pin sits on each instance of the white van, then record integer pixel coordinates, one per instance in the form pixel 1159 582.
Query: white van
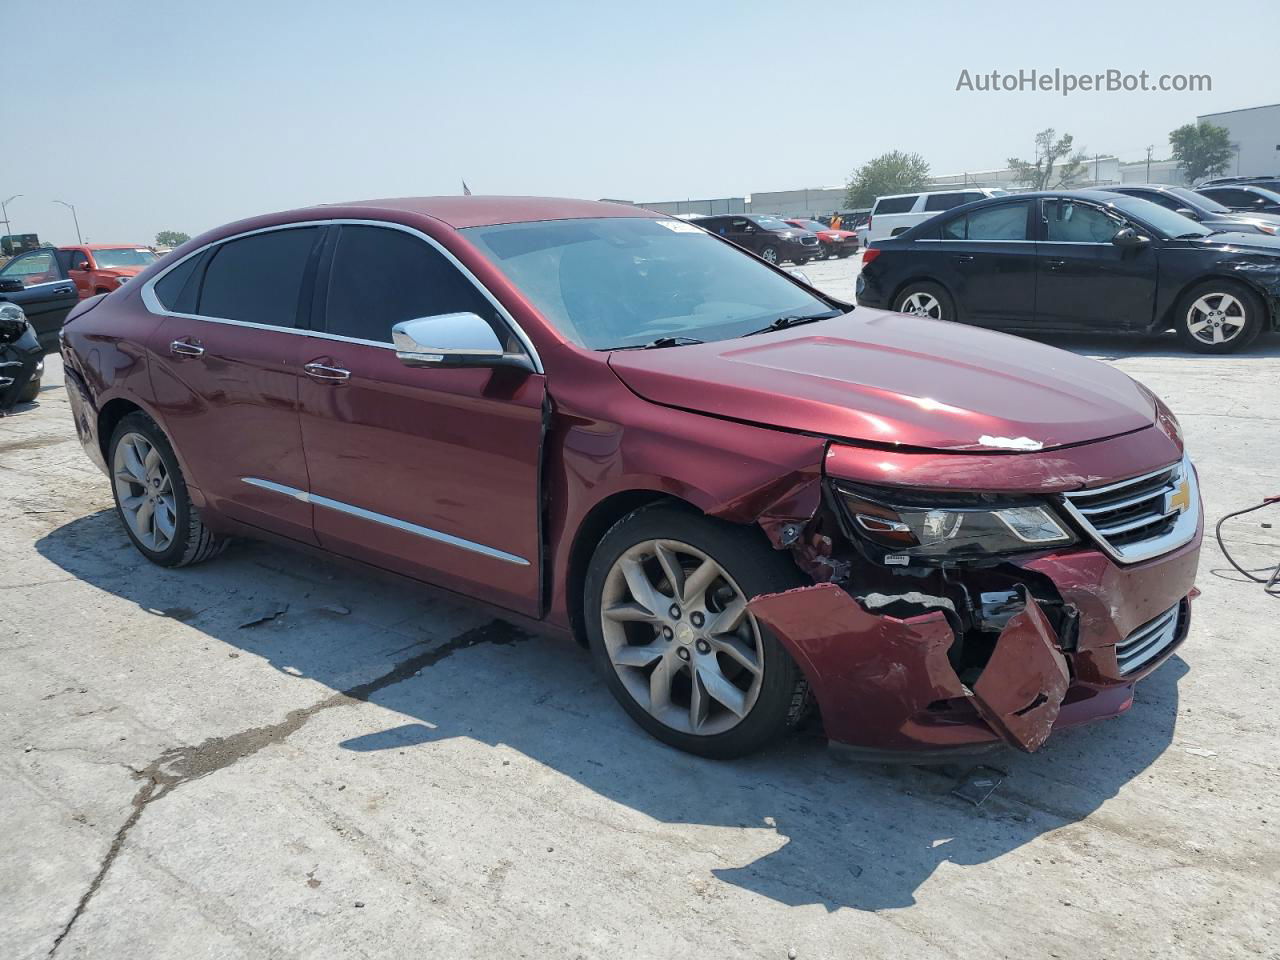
pixel 891 215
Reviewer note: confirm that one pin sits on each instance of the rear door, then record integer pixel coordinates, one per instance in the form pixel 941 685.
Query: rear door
pixel 987 259
pixel 36 282
pixel 224 371
pixel 1084 280
pixel 431 472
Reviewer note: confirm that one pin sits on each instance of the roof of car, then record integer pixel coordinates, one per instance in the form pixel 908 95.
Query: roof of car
pixel 483 211
pixel 104 246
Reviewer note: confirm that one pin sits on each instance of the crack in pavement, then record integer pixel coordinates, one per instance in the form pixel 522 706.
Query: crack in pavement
pixel 180 765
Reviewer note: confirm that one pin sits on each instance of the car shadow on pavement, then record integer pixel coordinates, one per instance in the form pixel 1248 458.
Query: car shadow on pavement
pixel 805 826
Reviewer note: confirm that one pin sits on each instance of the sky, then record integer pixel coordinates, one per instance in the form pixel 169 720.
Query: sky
pixel 184 116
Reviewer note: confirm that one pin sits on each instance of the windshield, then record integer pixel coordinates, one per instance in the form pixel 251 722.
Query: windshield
pixel 1160 218
pixel 1198 200
pixel 813 225
pixel 124 257
pixel 772 223
pixel 626 281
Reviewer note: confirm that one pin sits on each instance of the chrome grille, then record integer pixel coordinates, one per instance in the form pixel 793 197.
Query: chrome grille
pixel 1148 641
pixel 810 241
pixel 1139 519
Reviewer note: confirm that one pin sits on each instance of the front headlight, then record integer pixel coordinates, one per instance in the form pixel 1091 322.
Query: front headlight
pixel 951 530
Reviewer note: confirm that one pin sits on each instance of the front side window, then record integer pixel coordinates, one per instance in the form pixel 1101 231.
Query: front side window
pixel 1006 221
pixel 124 257
pixel 625 281
pixel 1072 222
pixel 38 267
pixel 1232 198
pixel 381 277
pixel 258 279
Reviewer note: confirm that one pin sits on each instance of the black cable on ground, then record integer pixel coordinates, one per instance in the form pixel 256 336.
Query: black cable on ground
pixel 1272 581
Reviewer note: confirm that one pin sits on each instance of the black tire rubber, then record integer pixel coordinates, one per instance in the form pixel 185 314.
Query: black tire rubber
pixel 193 542
pixel 744 553
pixel 846 253
pixel 800 261
pixel 30 391
pixel 1255 315
pixel 935 290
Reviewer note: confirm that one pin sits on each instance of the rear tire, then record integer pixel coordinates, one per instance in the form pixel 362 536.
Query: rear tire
pixel 151 496
pixel 1219 316
pixel 715 692
pixel 30 391
pixel 924 298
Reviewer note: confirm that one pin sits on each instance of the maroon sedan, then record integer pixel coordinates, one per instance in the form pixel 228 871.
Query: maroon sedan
pixel 748 499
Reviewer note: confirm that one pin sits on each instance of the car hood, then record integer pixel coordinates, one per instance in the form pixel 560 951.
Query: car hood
pixel 1260 242
pixel 838 234
pixel 885 378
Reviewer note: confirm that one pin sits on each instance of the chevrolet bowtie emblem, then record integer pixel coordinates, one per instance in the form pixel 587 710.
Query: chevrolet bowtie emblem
pixel 1180 499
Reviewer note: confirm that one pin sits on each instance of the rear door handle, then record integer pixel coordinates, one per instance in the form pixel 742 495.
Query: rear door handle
pixel 1054 264
pixel 186 348
pixel 322 371
pixel 964 258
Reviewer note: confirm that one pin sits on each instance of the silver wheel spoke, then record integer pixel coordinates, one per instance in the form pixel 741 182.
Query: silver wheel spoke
pixel 728 619
pixel 644 592
pixel 719 687
pixel 670 564
pixel 660 684
pixel 133 503
pixel 737 651
pixel 133 464
pixel 696 584
pixel 697 702
pixel 165 522
pixel 633 655
pixel 629 613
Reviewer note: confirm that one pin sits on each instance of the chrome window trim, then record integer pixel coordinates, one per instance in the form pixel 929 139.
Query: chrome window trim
pixel 1182 532
pixel 954 240
pixel 153 304
pixel 382 518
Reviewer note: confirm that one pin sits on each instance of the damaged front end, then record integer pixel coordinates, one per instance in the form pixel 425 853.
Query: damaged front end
pixel 941 621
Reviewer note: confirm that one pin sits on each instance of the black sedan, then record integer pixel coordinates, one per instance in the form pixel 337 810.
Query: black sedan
pixel 1083 260
pixel 1245 197
pixel 1204 211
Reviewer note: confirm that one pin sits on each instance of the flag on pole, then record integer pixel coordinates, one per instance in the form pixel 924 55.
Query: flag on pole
pixel 466 191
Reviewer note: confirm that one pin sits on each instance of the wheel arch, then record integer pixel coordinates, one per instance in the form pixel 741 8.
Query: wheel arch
pixel 112 412
pixel 599 519
pixel 1270 300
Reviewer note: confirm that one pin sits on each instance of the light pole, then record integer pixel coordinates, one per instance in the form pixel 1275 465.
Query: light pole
pixel 4 212
pixel 72 208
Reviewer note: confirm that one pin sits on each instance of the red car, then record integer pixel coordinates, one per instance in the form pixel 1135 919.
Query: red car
pixel 747 498
pixel 102 267
pixel 832 243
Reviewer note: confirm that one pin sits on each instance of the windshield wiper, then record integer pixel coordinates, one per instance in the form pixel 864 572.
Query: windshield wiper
pixel 659 343
pixel 1196 236
pixel 782 323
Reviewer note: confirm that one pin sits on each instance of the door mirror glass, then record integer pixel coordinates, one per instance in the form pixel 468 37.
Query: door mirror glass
pixel 452 340
pixel 82 265
pixel 1128 237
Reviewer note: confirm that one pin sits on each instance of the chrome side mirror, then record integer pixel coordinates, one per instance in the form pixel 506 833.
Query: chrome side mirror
pixel 452 340
pixel 1129 237
pixel 800 275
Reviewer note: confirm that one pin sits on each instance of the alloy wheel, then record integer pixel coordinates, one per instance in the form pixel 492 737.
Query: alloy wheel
pixel 921 304
pixel 1216 318
pixel 770 254
pixel 679 637
pixel 144 490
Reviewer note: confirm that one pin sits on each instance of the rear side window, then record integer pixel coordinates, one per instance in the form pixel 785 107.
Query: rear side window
pixel 257 279
pixel 1007 221
pixel 894 205
pixel 170 288
pixel 948 201
pixel 381 277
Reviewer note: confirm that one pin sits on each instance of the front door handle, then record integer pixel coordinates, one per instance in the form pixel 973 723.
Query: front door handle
pixel 186 348
pixel 322 371
pixel 964 258
pixel 1054 264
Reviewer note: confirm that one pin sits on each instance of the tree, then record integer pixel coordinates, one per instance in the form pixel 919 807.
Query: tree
pixel 887 174
pixel 171 238
pixel 1040 174
pixel 1201 149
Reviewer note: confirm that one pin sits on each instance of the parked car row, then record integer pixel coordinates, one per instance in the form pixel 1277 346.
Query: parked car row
pixel 48 281
pixel 1083 260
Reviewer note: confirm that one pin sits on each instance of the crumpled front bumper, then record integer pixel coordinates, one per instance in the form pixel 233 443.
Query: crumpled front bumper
pixel 886 685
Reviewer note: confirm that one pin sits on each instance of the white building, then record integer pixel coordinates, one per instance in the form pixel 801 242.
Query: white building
pixel 1255 135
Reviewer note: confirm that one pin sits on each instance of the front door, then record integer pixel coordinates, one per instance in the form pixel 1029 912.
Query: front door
pixel 34 281
pixel 430 472
pixel 225 380
pixel 1083 280
pixel 80 276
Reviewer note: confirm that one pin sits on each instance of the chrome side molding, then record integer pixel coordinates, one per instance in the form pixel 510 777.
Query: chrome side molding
pixel 352 510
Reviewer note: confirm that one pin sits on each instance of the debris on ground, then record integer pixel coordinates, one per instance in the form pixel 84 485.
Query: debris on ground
pixel 266 615
pixel 977 784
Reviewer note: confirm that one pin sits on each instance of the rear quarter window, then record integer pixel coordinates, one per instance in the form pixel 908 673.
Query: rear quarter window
pixel 258 279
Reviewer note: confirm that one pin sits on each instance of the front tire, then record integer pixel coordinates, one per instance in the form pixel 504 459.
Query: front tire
pixel 1219 316
pixel 151 496
pixel 30 391
pixel 666 597
pixel 925 299
pixel 770 254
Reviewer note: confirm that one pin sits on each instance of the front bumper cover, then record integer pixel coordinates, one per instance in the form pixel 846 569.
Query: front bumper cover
pixel 886 684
